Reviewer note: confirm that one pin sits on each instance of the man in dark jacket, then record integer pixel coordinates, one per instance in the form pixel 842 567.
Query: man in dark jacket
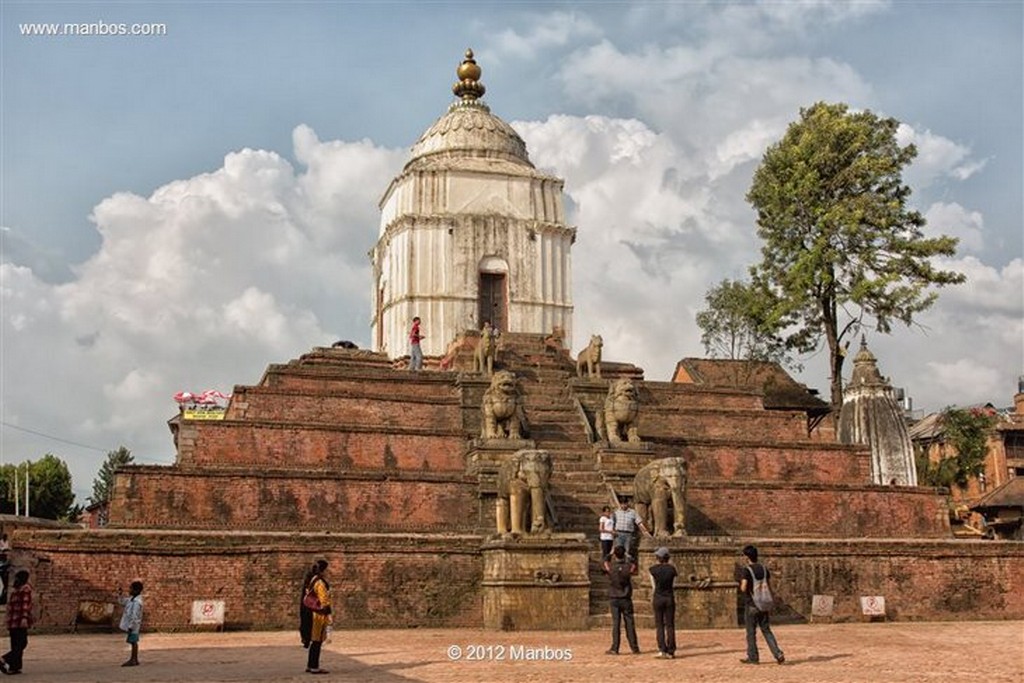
pixel 620 568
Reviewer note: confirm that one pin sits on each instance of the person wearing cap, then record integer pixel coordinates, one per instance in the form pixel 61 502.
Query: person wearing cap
pixel 663 577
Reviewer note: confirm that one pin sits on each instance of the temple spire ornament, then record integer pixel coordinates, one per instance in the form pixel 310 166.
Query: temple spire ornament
pixel 469 88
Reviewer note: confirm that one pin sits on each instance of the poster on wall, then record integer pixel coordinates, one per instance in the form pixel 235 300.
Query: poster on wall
pixel 207 612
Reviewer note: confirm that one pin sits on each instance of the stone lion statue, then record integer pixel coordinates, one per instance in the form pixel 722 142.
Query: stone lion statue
pixel 656 484
pixel 502 408
pixel 590 358
pixel 486 350
pixel 621 407
pixel 522 493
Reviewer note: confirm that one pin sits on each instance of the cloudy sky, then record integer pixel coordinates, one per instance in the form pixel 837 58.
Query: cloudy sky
pixel 178 211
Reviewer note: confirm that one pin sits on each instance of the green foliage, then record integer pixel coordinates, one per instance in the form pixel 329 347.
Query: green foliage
pixel 965 431
pixel 735 324
pixel 103 484
pixel 50 492
pixel 840 243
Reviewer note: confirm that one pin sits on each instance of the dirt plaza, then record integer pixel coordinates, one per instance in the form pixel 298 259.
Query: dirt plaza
pixel 848 653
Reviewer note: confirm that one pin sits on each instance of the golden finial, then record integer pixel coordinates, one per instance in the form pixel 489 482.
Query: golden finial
pixel 469 87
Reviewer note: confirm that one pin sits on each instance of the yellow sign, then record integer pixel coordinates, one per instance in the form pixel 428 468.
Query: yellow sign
pixel 204 413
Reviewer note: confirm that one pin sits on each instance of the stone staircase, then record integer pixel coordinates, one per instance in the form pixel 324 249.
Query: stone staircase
pixel 558 425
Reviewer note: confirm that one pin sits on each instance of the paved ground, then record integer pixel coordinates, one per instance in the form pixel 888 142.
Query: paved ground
pixel 989 652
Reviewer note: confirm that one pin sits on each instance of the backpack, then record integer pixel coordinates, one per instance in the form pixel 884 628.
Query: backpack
pixel 760 593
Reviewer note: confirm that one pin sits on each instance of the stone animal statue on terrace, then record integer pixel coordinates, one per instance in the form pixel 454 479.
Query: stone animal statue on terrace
pixel 590 358
pixel 656 484
pixel 621 408
pixel 502 408
pixel 523 482
pixel 486 350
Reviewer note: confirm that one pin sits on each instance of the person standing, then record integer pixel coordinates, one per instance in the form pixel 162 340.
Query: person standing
pixel 663 577
pixel 606 532
pixel 131 619
pixel 415 352
pixel 620 569
pixel 306 614
pixel 318 599
pixel 754 618
pixel 19 621
pixel 626 523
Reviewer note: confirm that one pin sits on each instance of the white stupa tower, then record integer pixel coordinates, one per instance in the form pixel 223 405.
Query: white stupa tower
pixel 470 232
pixel 871 416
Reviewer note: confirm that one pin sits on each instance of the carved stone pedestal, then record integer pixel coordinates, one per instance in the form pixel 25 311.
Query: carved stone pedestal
pixel 706 588
pixel 536 583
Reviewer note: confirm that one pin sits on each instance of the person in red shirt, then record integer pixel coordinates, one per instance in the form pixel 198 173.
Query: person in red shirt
pixel 19 621
pixel 415 353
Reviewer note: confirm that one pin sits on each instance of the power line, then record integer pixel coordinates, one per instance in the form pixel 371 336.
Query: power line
pixel 75 443
pixel 54 438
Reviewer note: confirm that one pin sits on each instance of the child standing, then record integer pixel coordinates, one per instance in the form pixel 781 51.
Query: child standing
pixel 131 619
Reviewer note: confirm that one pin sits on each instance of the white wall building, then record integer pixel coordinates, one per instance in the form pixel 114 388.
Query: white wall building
pixel 470 232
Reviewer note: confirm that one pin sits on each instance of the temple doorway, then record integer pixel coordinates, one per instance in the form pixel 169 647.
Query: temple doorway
pixel 493 300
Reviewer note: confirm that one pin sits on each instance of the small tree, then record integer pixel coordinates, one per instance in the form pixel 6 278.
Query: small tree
pixel 840 243
pixel 736 324
pixel 103 484
pixel 965 431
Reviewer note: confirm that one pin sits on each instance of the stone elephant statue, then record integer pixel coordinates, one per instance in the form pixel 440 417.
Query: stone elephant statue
pixel 523 489
pixel 502 408
pixel 656 484
pixel 621 407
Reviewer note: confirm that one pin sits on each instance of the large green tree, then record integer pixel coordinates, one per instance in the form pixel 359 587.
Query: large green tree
pixel 103 484
pixel 49 481
pixel 841 246
pixel 736 324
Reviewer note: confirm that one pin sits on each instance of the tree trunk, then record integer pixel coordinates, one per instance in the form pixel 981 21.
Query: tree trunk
pixel 836 356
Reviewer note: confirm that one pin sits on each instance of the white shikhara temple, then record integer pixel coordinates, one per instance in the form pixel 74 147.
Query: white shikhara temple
pixel 470 232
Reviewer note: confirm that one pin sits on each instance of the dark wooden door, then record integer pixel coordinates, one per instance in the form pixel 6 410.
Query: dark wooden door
pixel 493 306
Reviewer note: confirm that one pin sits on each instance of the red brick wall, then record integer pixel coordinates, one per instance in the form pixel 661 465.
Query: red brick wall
pixel 394 410
pixel 810 510
pixel 434 580
pixel 920 580
pixel 692 397
pixel 233 444
pixel 392 580
pixel 764 425
pixel 170 497
pixel 794 463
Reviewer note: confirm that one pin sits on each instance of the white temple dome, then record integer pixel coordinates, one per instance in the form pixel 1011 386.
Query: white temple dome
pixel 469 129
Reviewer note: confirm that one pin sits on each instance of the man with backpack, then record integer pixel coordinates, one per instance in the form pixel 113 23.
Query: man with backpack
pixel 755 586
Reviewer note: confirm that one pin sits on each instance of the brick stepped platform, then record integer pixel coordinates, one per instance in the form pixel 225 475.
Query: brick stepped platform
pixel 339 441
